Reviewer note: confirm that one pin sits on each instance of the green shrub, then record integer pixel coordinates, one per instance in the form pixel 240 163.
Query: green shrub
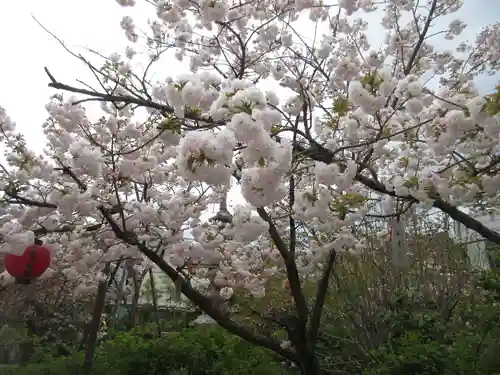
pixel 412 335
pixel 426 340
pixel 408 335
pixel 194 351
pixel 201 350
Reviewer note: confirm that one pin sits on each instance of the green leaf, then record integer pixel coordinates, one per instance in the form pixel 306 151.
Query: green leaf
pixel 341 106
pixel 170 124
pixel 245 107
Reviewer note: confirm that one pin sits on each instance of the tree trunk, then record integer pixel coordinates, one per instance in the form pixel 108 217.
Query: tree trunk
pixel 134 308
pixel 137 280
pixel 155 300
pixel 306 352
pixel 310 365
pixel 95 323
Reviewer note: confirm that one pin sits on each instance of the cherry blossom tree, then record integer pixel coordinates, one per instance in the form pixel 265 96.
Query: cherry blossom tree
pixel 287 106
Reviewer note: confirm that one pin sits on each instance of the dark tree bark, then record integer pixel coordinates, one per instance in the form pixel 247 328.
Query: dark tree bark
pixel 95 324
pixel 155 300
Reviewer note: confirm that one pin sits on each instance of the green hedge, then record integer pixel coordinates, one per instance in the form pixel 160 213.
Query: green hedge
pixel 194 351
pixel 423 339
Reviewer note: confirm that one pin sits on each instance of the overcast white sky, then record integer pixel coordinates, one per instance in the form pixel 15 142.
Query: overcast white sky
pixel 26 48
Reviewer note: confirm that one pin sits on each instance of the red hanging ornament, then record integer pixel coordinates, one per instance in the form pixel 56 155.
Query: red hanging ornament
pixel 287 285
pixel 31 264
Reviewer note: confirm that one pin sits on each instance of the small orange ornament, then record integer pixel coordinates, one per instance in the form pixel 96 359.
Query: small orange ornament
pixel 287 284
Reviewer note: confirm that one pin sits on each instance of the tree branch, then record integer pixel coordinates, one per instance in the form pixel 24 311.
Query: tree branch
pixel 203 302
pixel 26 201
pixel 291 267
pixel 319 153
pixel 421 37
pixel 321 293
pixel 164 108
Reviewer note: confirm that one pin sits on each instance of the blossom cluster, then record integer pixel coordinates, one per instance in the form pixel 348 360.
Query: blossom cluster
pixel 313 135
